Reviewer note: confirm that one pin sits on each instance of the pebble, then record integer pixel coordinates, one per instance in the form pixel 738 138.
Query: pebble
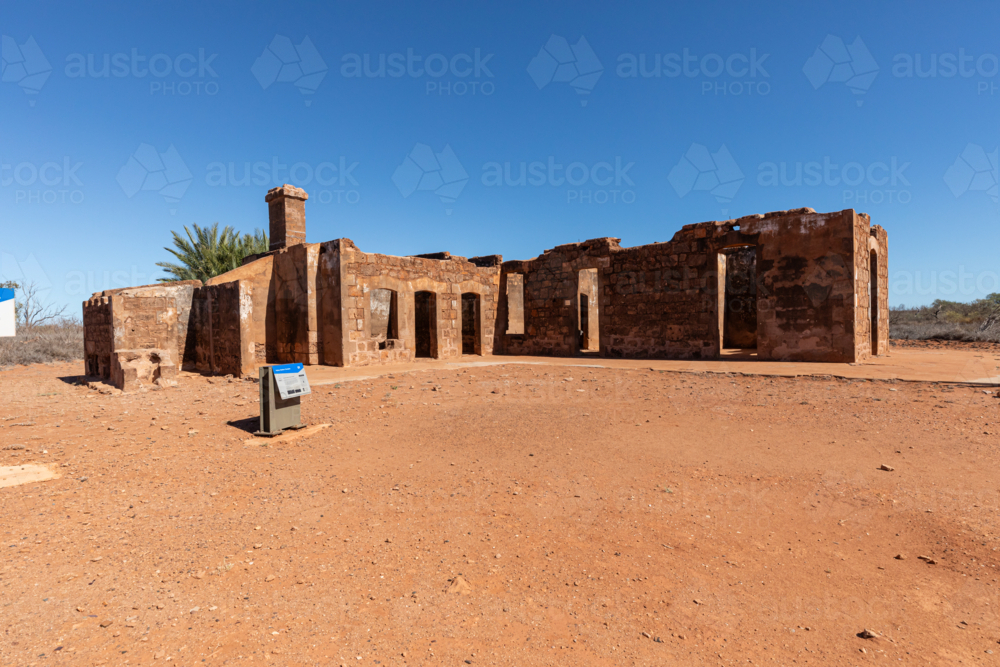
pixel 269 577
pixel 886 468
pixel 105 623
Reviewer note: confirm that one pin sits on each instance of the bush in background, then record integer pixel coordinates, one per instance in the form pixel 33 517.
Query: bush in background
pixel 948 320
pixel 61 341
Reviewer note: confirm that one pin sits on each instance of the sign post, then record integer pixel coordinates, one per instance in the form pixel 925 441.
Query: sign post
pixel 280 389
pixel 7 313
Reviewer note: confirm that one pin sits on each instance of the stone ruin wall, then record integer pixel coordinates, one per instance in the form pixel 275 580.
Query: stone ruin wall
pixel 98 336
pixel 663 300
pixel 223 328
pixel 296 299
pixel 805 289
pixel 139 335
pixel 136 336
pixel 257 279
pixel 869 239
pixel 348 277
pixel 806 273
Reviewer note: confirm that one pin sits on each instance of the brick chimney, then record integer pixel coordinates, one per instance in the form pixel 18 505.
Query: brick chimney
pixel 286 212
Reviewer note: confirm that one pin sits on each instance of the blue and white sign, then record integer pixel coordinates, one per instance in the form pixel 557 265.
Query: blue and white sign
pixel 291 380
pixel 6 312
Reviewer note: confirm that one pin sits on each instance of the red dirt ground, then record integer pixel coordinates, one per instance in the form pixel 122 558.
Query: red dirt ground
pixel 948 345
pixel 503 515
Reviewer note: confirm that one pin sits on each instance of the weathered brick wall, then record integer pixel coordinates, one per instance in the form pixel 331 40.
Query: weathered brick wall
pixel 664 300
pixel 805 285
pixel 148 317
pixel 881 241
pixel 145 323
pixel 295 293
pixel 349 275
pixel 653 300
pixel 256 278
pixel 98 336
pixel 223 316
pixel 871 239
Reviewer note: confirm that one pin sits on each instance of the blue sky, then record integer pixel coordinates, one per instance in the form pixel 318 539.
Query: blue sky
pixel 659 116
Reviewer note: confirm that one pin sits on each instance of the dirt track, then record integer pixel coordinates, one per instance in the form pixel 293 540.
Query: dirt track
pixel 517 515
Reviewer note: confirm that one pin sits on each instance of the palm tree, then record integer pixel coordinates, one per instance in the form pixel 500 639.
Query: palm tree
pixel 208 253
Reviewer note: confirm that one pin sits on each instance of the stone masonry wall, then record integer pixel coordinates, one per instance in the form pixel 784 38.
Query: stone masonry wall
pixel 150 317
pixel 295 293
pixel 98 336
pixel 869 239
pixel 223 315
pixel 256 277
pixel 663 300
pixel 350 275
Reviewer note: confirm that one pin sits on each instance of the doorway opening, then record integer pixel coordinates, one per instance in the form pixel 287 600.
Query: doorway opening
pixel 425 325
pixel 873 299
pixel 384 316
pixel 515 303
pixel 588 332
pixel 738 266
pixel 470 324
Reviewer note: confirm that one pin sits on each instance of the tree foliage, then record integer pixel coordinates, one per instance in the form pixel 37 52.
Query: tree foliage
pixel 209 252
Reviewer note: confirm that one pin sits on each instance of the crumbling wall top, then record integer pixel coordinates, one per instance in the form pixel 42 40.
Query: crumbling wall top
pixel 286 190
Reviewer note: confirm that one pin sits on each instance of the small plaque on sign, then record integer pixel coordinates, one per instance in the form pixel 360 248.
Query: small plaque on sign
pixel 291 380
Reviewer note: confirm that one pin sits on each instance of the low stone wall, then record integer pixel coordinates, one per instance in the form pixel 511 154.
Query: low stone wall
pixel 136 319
